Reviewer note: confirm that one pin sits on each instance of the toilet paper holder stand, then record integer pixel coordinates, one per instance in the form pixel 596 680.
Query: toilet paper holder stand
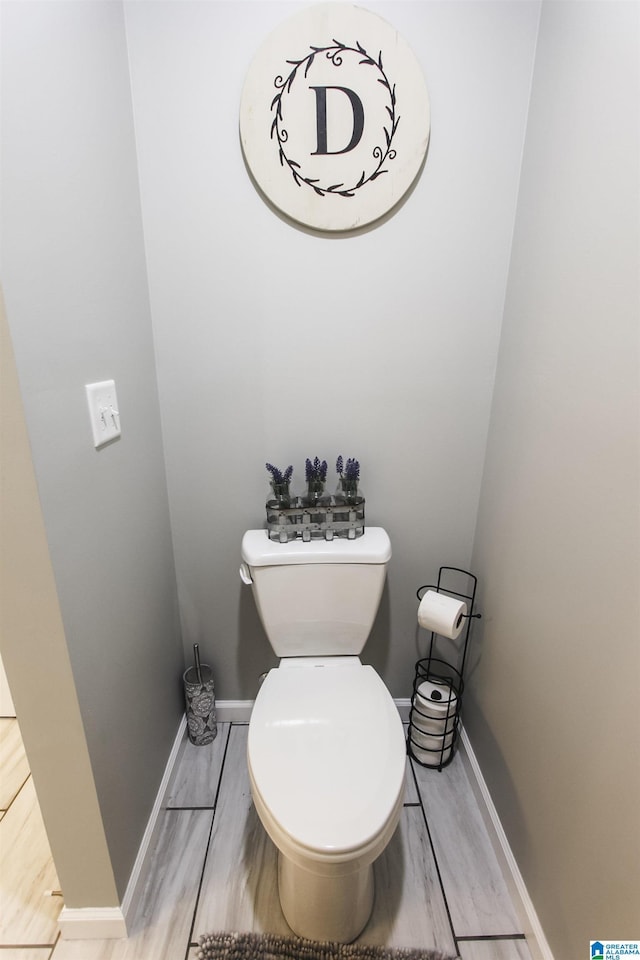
pixel 434 725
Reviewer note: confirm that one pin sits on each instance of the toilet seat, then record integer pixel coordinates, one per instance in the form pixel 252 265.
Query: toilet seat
pixel 326 759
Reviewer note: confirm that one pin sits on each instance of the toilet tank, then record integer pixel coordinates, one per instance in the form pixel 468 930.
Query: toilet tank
pixel 318 598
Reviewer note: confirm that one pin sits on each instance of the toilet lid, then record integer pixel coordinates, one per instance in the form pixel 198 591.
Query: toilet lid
pixel 327 754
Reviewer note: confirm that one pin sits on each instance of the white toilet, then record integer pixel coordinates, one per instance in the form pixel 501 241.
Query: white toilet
pixel 326 750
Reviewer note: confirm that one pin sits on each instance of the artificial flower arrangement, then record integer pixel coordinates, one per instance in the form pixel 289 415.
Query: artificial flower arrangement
pixel 280 481
pixel 316 514
pixel 316 476
pixel 349 474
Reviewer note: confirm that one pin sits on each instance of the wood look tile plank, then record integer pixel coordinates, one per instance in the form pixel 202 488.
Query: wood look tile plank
pixel 13 761
pixel 409 908
pixel 239 882
pixel 161 926
pixel 475 889
pixel 100 950
pixel 194 782
pixel 26 865
pixel 494 950
pixel 239 886
pixel 411 794
pixel 25 953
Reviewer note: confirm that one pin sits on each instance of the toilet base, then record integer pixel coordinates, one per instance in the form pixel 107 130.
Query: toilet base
pixel 334 908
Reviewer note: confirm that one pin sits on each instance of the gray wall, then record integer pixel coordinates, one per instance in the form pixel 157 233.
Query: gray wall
pixel 275 344
pixel 35 652
pixel 553 714
pixel 78 309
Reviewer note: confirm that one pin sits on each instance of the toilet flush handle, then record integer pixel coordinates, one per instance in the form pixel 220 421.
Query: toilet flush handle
pixel 245 575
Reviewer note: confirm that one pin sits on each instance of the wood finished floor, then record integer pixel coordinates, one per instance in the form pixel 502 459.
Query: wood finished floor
pixel 212 868
pixel 28 916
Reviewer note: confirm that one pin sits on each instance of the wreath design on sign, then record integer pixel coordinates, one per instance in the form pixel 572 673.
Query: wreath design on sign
pixel 334 53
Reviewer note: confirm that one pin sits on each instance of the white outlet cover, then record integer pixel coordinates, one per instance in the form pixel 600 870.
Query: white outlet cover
pixel 104 412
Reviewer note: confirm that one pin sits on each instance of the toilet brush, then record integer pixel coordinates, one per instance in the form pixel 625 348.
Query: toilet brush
pixel 196 655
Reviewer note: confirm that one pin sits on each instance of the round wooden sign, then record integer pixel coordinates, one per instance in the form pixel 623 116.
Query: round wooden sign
pixel 334 117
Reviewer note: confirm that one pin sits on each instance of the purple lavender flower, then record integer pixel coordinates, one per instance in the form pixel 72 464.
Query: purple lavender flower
pixel 278 476
pixel 349 471
pixel 316 470
pixel 352 470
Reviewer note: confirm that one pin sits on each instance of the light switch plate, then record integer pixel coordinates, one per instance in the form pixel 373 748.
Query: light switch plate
pixel 104 412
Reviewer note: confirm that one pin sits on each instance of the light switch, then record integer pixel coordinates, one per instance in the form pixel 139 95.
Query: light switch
pixel 104 412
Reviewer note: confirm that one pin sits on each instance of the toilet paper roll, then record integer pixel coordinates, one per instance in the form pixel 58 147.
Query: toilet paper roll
pixel 435 743
pixel 429 758
pixel 431 726
pixel 434 703
pixel 436 698
pixel 442 614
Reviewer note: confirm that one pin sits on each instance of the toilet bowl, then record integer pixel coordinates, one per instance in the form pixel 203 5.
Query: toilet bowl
pixel 326 760
pixel 326 750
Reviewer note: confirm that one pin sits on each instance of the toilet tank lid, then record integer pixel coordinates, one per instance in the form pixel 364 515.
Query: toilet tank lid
pixel 373 546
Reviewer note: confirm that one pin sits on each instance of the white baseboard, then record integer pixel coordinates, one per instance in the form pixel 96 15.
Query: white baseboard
pixel 238 711
pixel 92 923
pixel 98 923
pixel 110 923
pixel 533 931
pixel 404 707
pixel 226 711
pixel 133 891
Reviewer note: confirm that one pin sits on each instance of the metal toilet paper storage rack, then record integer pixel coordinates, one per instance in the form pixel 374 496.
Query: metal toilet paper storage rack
pixel 436 699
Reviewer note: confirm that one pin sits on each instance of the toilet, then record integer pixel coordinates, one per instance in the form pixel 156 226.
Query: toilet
pixel 326 750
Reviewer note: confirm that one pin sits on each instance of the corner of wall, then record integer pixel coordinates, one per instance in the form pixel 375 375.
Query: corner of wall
pixel 31 631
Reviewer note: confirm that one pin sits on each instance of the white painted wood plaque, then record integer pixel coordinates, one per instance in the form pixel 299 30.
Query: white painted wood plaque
pixel 334 117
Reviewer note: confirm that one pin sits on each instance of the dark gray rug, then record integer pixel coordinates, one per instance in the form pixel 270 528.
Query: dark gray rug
pixel 266 946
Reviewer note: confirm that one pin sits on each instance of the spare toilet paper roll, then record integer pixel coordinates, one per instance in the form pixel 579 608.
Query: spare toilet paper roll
pixel 442 614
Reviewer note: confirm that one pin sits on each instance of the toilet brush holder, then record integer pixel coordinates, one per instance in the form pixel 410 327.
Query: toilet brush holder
pixel 200 703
